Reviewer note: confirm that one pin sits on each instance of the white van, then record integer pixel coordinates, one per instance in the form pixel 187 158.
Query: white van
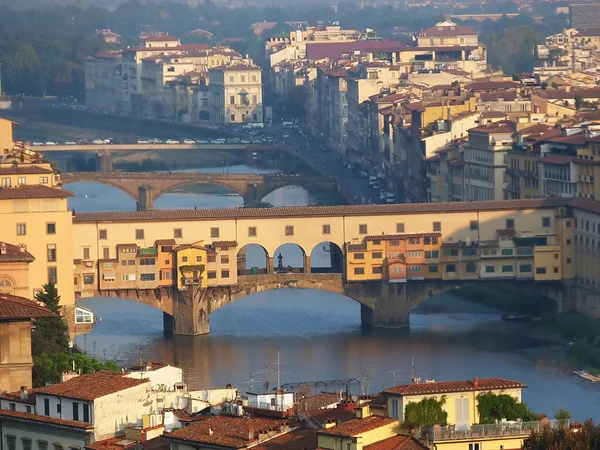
pixel 390 198
pixel 372 181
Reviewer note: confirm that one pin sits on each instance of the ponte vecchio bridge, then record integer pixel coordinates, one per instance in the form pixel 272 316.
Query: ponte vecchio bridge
pixel 390 257
pixel 145 187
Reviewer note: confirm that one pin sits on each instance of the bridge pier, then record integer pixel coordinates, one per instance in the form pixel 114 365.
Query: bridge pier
pixel 104 162
pixel 382 305
pixel 145 200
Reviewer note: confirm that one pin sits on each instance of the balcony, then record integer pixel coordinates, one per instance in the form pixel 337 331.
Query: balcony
pixel 508 428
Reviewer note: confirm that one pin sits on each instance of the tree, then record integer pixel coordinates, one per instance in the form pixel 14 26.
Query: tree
pixel 562 438
pixel 578 101
pixel 427 412
pixel 562 415
pixel 495 407
pixel 50 345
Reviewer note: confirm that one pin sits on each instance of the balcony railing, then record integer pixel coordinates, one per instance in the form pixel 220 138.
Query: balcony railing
pixel 508 428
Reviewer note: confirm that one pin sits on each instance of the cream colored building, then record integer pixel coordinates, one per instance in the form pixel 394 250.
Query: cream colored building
pixel 35 214
pixel 235 93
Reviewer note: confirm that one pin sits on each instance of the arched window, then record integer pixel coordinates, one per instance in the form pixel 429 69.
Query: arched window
pixel 6 285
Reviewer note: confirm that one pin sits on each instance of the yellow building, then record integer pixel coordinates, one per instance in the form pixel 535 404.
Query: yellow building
pixel 14 269
pixel 587 166
pixel 191 264
pixel 34 213
pixel 6 136
pixel 15 340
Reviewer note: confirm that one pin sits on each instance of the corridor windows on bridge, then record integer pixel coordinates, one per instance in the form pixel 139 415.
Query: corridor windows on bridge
pixel 471 267
pixel 450 268
pixel 177 233
pixel 214 232
pixel 199 258
pixel 508 268
pixel 359 256
pixel 51 252
pixel 103 234
pixel 289 230
pixel 377 255
pixel 362 228
pixel 377 270
pixel 50 228
pixel 139 234
pixel 211 258
pixel 224 259
pixel 211 274
pixel 433 269
pixel 251 231
pixel 474 225
pixel 399 228
pixel 43 180
pixel 326 229
pixel 359 271
pixel 490 269
pixel 437 226
pixel 224 273
pixel 546 222
pixel 430 240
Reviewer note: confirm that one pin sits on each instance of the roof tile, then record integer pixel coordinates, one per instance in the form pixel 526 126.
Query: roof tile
pixel 4 413
pixel 358 426
pixel 401 442
pixel 91 386
pixel 13 307
pixel 442 387
pixel 33 191
pixel 11 253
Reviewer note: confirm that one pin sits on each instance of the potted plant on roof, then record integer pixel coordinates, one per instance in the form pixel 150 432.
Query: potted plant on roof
pixel 427 414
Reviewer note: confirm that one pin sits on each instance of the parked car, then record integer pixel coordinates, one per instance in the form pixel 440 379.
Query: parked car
pixel 37 143
pixel 189 141
pixel 51 143
pixel 66 143
pixel 171 141
pixel 143 141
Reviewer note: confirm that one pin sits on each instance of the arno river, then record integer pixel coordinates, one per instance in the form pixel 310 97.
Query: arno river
pixel 319 333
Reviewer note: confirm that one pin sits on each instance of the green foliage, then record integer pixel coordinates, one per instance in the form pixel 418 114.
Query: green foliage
pixel 79 163
pixel 578 101
pixel 512 49
pixel 427 412
pixel 495 407
pixel 563 415
pixel 50 345
pixel 192 267
pixel 561 438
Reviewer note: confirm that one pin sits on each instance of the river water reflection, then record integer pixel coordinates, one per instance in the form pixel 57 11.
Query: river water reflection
pixel 319 332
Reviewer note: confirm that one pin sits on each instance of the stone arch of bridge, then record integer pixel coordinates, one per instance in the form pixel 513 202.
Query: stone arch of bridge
pixel 161 298
pixel 236 187
pixel 123 188
pixel 261 261
pixel 269 187
pixel 335 258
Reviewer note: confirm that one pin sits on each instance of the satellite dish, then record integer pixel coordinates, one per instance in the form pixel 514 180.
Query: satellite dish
pixel 266 385
pixel 184 402
pixel 176 402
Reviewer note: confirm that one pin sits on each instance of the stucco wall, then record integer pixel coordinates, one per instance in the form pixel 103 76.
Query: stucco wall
pixel 68 437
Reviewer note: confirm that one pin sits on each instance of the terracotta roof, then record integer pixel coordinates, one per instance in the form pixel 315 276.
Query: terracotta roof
pixel 23 170
pixel 14 253
pixel 165 242
pixel 91 386
pixel 33 191
pixel 317 401
pixel 13 307
pixel 502 127
pixel 159 38
pixel 588 32
pixel 448 30
pixel 340 414
pixel 442 387
pixel 358 426
pixel 397 443
pixel 298 439
pixel 562 160
pixel 492 114
pixel 321 50
pixel 491 85
pixel 224 244
pixel 237 67
pixel 227 431
pixel 317 211
pixel 16 397
pixel 113 443
pixel 586 204
pixel 21 416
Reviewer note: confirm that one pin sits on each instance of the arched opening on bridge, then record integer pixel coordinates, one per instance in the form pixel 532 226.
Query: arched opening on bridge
pixel 252 259
pixel 326 257
pixel 99 197
pixel 290 258
pixel 291 195
pixel 198 196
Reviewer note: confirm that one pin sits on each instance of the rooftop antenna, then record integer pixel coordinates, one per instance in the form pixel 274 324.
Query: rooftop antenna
pixel 394 376
pixel 278 364
pixel 252 379
pixel 365 379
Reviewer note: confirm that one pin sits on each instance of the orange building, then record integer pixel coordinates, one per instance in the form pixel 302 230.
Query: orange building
pixel 166 263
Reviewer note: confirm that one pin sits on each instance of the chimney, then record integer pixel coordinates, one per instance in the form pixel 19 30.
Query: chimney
pixel 251 432
pixel 22 247
pixel 210 432
pixel 2 248
pixel 475 383
pixel 24 395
